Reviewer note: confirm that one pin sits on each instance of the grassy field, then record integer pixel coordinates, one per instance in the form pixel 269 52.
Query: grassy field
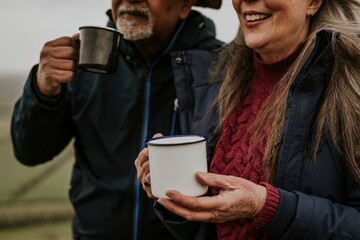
pixel 33 201
pixel 47 231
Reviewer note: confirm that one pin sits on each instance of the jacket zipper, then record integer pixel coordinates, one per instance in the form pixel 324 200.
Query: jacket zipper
pixel 173 122
pixel 147 93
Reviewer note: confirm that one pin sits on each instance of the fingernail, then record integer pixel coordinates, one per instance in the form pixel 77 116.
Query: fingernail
pixel 169 195
pixel 160 201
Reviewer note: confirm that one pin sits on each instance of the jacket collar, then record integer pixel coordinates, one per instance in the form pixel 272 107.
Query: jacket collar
pixel 191 33
pixel 320 59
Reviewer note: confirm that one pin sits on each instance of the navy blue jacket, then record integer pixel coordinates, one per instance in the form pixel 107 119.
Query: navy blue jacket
pixel 110 117
pixel 318 200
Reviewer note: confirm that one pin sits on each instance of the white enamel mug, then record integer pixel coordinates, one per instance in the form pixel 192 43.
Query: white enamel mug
pixel 173 161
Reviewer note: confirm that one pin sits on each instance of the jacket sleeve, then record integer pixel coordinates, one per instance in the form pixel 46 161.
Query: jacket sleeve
pixel 302 216
pixel 40 129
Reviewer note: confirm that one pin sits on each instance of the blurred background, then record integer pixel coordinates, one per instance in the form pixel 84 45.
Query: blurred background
pixel 34 201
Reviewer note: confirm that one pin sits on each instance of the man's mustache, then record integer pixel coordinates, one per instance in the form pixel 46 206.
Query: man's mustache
pixel 133 10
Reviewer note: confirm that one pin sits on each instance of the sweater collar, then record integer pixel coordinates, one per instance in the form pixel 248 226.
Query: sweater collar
pixel 267 74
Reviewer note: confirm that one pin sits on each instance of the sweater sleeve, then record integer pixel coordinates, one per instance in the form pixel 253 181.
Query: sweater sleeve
pixel 269 209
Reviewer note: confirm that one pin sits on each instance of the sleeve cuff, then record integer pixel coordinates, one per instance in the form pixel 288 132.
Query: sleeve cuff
pixel 270 207
pixel 47 101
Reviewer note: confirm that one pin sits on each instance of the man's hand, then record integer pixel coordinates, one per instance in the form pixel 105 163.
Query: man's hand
pixel 58 60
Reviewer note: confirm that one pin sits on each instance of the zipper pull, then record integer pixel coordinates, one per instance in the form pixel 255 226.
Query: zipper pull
pixel 176 104
pixel 173 123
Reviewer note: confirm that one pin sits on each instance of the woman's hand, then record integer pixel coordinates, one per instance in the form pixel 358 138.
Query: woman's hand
pixel 143 169
pixel 238 198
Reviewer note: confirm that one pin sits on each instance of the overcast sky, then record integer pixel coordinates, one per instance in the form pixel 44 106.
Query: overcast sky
pixel 25 26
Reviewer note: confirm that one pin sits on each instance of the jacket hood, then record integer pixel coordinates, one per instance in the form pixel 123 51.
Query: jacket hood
pixel 197 30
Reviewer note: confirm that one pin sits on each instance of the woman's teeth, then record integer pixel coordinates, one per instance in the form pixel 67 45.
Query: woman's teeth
pixel 256 17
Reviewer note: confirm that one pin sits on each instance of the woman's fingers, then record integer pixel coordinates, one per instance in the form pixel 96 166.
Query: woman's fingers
pixel 146 183
pixel 142 158
pixel 217 181
pixel 147 180
pixel 238 198
pixel 156 135
pixel 204 209
pixel 143 171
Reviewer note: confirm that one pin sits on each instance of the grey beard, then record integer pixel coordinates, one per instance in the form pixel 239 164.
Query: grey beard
pixel 132 32
pixel 129 28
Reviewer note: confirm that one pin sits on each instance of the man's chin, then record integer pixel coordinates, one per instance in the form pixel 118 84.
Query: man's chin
pixel 136 36
pixel 134 31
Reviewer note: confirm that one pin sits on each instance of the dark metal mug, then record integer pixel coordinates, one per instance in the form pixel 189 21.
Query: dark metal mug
pixel 99 49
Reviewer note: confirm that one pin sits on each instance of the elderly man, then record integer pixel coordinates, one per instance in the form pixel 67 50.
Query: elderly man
pixel 111 116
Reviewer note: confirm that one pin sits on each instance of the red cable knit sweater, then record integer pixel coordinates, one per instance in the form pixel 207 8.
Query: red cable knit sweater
pixel 233 157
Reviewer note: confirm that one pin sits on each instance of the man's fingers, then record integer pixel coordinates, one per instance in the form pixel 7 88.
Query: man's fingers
pixel 62 41
pixel 76 36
